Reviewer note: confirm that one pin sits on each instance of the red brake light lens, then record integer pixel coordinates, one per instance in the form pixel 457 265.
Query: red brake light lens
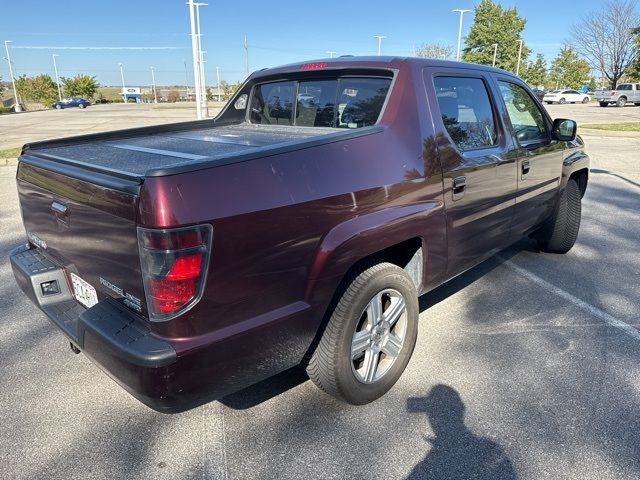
pixel 313 65
pixel 174 266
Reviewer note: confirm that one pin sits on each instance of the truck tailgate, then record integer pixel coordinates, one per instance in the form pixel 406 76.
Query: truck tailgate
pixel 88 229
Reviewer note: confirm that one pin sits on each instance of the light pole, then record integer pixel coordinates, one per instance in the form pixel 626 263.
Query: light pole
pixel 153 80
pixel 519 57
pixel 124 89
pixel 195 52
pixel 203 88
pixel 218 78
pixel 16 107
pixel 55 68
pixel 461 12
pixel 331 53
pixel 495 54
pixel 379 37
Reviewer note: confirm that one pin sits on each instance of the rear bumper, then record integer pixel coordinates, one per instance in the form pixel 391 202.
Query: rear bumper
pixel 111 335
pixel 165 378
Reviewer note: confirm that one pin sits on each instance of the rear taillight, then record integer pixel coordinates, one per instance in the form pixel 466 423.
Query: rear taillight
pixel 174 268
pixel 613 92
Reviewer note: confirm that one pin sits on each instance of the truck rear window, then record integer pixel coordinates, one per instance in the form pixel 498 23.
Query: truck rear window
pixel 348 102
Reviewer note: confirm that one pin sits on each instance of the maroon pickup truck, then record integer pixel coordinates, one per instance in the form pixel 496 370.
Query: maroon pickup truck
pixel 297 227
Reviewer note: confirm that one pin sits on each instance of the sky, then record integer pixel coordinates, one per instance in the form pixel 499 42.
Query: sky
pixel 93 37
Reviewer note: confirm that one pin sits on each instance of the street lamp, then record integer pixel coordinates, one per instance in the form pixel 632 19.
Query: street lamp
pixel 461 12
pixel 331 53
pixel 519 57
pixel 124 89
pixel 195 53
pixel 55 68
pixel 495 54
pixel 379 37
pixel 16 107
pixel 203 88
pixel 153 79
pixel 218 77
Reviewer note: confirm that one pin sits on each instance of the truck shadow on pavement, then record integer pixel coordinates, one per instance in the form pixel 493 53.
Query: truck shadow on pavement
pixel 456 452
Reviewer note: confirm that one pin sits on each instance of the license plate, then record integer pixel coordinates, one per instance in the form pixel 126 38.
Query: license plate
pixel 83 291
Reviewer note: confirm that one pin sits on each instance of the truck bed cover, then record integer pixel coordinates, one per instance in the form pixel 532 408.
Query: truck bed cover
pixel 165 152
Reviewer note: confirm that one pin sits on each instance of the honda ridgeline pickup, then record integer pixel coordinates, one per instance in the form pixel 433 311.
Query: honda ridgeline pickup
pixel 298 227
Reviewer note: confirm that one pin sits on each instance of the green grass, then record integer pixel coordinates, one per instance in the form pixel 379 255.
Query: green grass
pixel 10 152
pixel 615 127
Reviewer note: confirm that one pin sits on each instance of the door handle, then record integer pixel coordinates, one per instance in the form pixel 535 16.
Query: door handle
pixel 61 212
pixel 459 185
pixel 526 166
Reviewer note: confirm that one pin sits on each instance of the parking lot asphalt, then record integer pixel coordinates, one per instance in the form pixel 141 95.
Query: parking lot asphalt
pixel 16 130
pixel 527 366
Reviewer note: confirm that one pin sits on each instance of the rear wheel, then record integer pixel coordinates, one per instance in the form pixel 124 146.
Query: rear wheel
pixel 585 100
pixel 562 101
pixel 370 336
pixel 58 107
pixel 622 101
pixel 560 232
pixel 81 105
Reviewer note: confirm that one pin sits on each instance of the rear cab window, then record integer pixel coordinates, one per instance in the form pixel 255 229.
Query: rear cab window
pixel 339 102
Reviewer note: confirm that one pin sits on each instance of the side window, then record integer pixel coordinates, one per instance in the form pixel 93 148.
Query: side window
pixel 466 111
pixel 272 103
pixel 526 118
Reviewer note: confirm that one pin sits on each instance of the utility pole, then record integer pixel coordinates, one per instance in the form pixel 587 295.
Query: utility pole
pixel 379 37
pixel 124 93
pixel 495 54
pixel 218 76
pixel 16 107
pixel 246 58
pixel 55 69
pixel 186 78
pixel 519 57
pixel 203 87
pixel 195 52
pixel 461 12
pixel 155 92
pixel 331 53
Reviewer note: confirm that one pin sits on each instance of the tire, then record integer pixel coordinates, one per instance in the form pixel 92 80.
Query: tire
pixel 342 372
pixel 637 104
pixel 549 103
pixel 81 106
pixel 562 101
pixel 559 234
pixel 58 107
pixel 622 101
pixel 604 104
pixel 585 100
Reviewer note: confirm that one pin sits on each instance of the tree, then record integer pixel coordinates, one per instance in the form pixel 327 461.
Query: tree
pixel 635 67
pixel 40 88
pixel 80 86
pixel 568 69
pixel 605 38
pixel 492 24
pixel 536 74
pixel 229 89
pixel 434 50
pixel 2 87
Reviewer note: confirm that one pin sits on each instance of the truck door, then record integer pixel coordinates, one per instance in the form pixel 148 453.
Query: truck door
pixel 539 157
pixel 478 165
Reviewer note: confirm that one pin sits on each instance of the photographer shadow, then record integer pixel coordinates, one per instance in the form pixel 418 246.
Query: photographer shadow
pixel 456 453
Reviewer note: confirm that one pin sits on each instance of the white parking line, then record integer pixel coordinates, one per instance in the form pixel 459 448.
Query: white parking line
pixel 595 311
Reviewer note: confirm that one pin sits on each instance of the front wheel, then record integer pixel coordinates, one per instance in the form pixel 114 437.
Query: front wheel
pixel 58 107
pixel 560 232
pixel 81 105
pixel 370 336
pixel 585 100
pixel 604 104
pixel 562 101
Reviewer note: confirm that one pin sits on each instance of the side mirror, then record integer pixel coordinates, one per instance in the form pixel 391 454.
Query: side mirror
pixel 564 129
